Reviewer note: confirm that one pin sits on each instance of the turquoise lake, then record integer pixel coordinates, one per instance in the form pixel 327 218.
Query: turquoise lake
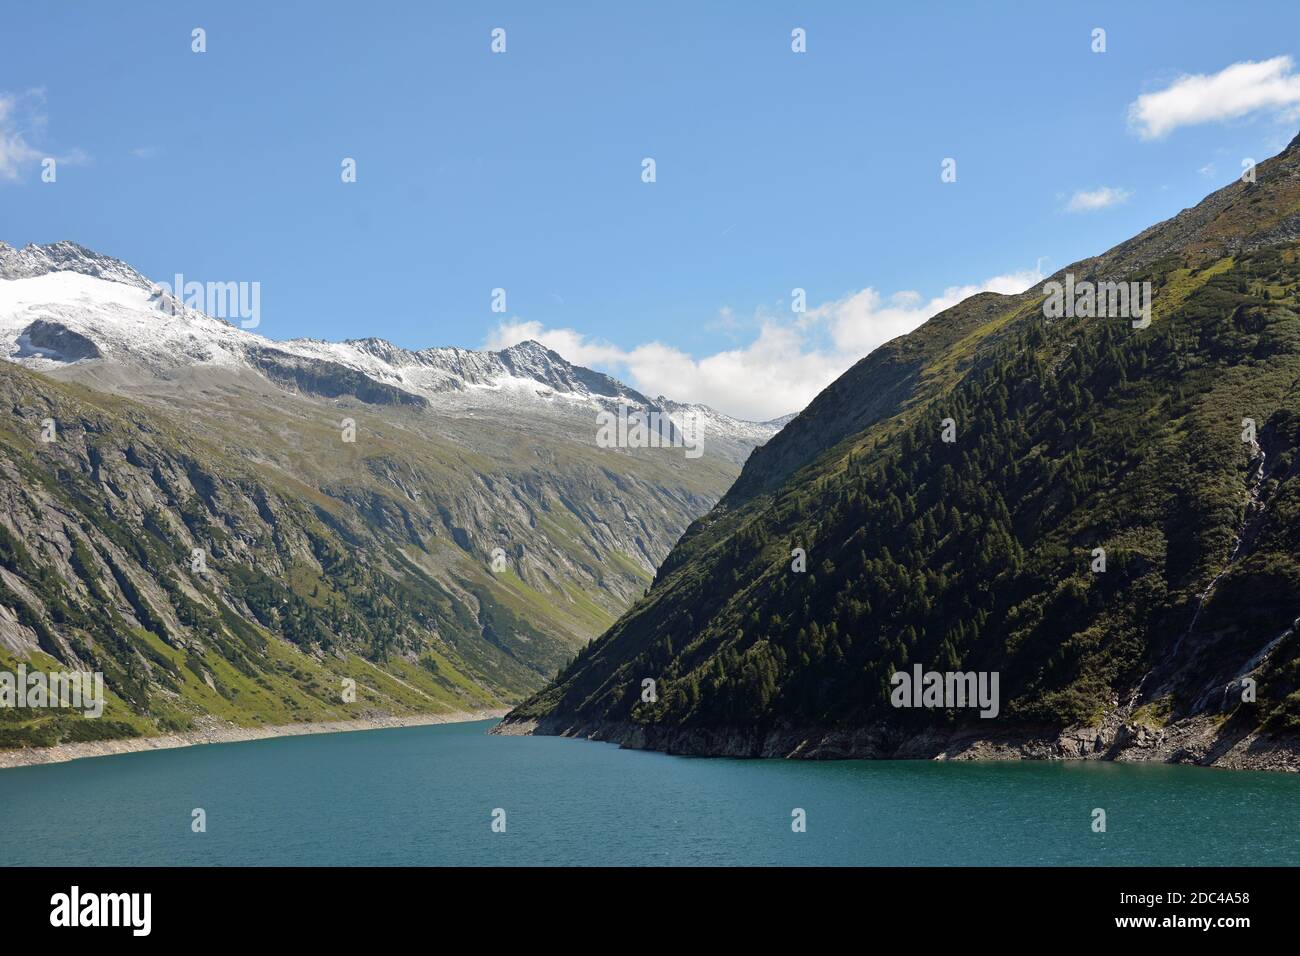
pixel 425 796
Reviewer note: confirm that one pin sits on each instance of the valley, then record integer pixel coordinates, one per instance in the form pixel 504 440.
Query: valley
pixel 345 501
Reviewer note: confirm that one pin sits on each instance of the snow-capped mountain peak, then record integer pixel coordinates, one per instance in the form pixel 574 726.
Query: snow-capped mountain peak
pixel 65 309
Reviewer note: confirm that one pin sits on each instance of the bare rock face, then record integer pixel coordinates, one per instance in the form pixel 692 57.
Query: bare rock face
pixel 33 260
pixel 57 342
pixel 330 379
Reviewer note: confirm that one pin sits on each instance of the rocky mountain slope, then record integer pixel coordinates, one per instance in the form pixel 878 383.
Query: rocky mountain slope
pixel 1170 452
pixel 232 527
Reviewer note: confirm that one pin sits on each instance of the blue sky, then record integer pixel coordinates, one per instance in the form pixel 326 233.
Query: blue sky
pixel 522 170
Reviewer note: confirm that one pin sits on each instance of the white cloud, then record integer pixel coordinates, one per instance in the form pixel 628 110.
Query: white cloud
pixel 1234 91
pixel 20 119
pixel 782 369
pixel 1092 200
pixel 15 152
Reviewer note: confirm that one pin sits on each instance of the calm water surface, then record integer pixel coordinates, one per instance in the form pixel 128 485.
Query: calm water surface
pixel 425 795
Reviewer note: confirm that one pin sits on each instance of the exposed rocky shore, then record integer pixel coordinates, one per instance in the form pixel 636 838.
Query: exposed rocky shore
pixel 216 732
pixel 1197 740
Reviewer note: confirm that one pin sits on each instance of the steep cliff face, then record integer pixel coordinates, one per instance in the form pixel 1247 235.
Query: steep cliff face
pixel 953 494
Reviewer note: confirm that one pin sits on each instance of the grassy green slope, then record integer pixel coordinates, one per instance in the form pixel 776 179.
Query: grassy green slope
pixel 95 574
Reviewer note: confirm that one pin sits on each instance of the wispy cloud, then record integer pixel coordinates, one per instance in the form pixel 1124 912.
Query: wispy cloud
pixel 1235 91
pixel 1092 200
pixel 789 360
pixel 145 152
pixel 22 118
pixel 15 151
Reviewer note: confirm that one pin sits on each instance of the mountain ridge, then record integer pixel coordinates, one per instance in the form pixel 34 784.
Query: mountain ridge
pixel 897 362
pixel 424 372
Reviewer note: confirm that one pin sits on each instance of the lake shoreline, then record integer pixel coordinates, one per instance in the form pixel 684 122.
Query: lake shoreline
pixel 216 732
pixel 1197 741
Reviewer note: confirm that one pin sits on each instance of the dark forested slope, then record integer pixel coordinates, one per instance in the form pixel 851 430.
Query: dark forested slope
pixel 1173 448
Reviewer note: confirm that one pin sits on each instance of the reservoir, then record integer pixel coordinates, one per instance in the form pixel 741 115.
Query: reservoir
pixel 429 795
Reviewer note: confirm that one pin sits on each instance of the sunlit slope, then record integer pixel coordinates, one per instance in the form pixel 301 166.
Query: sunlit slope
pixel 325 559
